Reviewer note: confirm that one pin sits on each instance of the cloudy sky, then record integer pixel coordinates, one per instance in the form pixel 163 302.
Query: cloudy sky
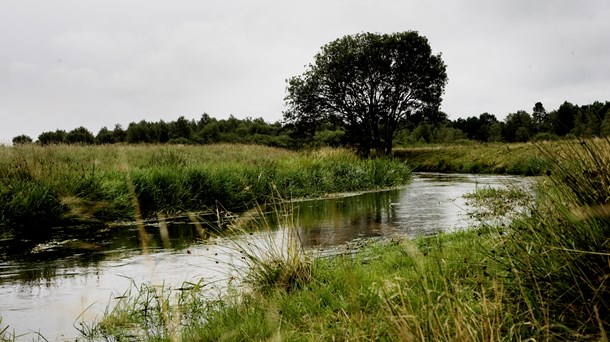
pixel 67 63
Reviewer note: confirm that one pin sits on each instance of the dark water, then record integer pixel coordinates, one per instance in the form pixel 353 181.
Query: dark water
pixel 50 287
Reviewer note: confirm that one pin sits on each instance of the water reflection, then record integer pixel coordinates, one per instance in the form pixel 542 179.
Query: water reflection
pixel 63 277
pixel 430 204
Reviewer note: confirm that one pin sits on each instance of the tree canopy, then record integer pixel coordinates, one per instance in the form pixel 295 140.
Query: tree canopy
pixel 369 84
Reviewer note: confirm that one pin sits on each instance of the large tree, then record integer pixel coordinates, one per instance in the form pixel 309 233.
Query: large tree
pixel 370 84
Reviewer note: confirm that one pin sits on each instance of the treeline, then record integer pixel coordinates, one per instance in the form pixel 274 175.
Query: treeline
pixel 569 120
pixel 206 130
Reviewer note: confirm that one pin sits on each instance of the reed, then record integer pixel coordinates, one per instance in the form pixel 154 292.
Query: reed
pixel 45 186
pixel 558 258
pixel 267 260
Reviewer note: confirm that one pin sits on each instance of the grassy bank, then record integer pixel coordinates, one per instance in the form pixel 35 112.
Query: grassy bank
pixel 545 277
pixel 41 187
pixel 494 158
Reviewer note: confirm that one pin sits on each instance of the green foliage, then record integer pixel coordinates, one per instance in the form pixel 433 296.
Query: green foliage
pixel 22 139
pixel 545 137
pixel 315 130
pixel 80 135
pixel 477 128
pixel 29 207
pixel 361 83
pixel 51 138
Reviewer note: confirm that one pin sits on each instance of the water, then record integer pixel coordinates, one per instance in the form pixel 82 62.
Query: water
pixel 49 288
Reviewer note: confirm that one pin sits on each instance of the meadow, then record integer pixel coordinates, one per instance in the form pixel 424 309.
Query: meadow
pixel 542 278
pixel 472 157
pixel 58 185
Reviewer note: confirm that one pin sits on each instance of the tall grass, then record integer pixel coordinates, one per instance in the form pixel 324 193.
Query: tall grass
pixel 46 186
pixel 267 259
pixel 494 158
pixel 559 257
pixel 544 277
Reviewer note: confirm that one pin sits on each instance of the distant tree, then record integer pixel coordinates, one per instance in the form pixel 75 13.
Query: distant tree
pixel 476 128
pixel 486 122
pixel 518 127
pixel 203 121
pixel 104 136
pixel 423 133
pixel 605 125
pixel 161 132
pixel 139 133
pixel 181 128
pixel 562 120
pixel 119 134
pixel 49 138
pixel 80 135
pixel 586 123
pixel 446 134
pixel 369 84
pixel 210 133
pixel 540 118
pixel 590 118
pixel 495 132
pixel 22 140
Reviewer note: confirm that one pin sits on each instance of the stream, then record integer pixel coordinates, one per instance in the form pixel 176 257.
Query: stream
pixel 48 289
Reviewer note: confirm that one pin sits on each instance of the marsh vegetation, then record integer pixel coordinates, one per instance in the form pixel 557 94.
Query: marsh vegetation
pixel 542 277
pixel 42 187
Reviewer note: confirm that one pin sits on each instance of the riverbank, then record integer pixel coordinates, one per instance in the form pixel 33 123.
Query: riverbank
pixel 544 277
pixel 491 158
pixel 47 186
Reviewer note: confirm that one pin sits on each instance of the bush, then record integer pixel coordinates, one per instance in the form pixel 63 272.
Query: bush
pixel 544 136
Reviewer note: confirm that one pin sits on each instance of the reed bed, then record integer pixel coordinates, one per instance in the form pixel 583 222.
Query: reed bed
pixel 557 259
pixel 46 186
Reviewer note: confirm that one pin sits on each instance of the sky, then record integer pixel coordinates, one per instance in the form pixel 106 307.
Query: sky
pixel 93 63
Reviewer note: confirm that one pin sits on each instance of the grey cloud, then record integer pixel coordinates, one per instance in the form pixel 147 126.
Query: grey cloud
pixel 67 63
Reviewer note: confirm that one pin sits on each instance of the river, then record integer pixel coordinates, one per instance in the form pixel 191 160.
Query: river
pixel 48 289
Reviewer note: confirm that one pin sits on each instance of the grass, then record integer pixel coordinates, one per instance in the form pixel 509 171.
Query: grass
pixel 493 202
pixel 544 277
pixel 391 289
pixel 559 256
pixel 493 158
pixel 41 187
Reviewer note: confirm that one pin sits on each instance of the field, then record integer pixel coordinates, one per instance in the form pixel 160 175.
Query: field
pixel 517 159
pixel 46 186
pixel 545 277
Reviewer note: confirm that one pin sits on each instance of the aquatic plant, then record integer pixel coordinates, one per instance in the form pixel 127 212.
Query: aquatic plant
pixel 273 255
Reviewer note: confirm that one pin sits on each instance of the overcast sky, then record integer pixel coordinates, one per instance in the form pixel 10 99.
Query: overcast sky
pixel 93 63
